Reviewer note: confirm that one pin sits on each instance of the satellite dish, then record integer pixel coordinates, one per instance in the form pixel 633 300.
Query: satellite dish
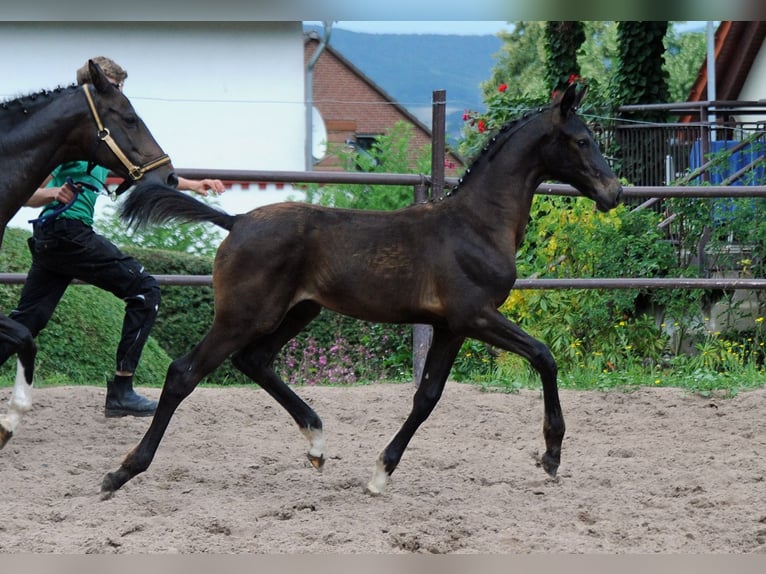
pixel 318 136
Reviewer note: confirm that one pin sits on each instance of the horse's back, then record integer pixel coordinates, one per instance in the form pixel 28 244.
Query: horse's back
pixel 358 262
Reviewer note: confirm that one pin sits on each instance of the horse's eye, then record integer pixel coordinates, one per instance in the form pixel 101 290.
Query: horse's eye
pixel 131 120
pixel 582 143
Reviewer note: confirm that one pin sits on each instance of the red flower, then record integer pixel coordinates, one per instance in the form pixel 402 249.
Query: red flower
pixel 482 127
pixel 574 78
pixel 502 87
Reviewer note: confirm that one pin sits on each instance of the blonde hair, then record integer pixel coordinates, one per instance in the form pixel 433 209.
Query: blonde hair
pixel 107 65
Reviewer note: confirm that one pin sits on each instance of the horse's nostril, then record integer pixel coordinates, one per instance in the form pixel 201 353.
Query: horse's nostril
pixel 172 180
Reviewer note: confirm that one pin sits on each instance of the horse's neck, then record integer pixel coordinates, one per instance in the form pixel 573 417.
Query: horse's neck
pixel 35 135
pixel 498 188
pixel 501 184
pixel 35 138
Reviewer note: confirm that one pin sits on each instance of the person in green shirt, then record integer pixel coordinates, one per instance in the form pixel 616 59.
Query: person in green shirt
pixel 65 247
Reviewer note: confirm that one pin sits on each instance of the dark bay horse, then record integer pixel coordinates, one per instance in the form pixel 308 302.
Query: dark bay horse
pixel 449 263
pixel 39 132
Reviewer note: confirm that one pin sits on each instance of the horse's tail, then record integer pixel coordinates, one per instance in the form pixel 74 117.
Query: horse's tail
pixel 152 203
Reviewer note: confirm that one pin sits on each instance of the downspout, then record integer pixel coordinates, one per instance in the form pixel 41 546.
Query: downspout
pixel 711 79
pixel 323 41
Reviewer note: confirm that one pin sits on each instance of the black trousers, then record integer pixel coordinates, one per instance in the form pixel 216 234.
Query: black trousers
pixel 65 249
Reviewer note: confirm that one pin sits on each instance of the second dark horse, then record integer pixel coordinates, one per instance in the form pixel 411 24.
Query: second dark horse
pixel 449 264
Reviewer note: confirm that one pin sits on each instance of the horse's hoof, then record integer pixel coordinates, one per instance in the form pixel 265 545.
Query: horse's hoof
pixel 108 486
pixel 550 464
pixel 372 491
pixel 5 436
pixel 316 461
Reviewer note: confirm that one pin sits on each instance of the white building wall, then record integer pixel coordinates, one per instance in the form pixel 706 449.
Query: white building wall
pixel 219 95
pixel 754 88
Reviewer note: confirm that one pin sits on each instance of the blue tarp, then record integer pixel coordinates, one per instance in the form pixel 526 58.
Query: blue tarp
pixel 724 208
pixel 737 161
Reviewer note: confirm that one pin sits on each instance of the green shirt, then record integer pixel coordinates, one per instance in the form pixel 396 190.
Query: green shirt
pixel 85 204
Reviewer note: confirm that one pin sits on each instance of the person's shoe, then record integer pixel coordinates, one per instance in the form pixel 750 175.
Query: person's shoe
pixel 122 400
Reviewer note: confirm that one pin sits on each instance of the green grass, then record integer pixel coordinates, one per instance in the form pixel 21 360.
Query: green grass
pixel 684 375
pixel 704 382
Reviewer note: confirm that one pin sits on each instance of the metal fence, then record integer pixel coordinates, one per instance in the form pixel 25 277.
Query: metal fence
pixel 698 143
pixel 421 184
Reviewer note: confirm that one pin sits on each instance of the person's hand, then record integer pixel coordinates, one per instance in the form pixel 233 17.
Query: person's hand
pixel 64 194
pixel 202 186
pixel 46 195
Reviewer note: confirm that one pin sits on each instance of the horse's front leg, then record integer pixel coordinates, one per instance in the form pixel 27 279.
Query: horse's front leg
pixel 16 338
pixel 498 331
pixel 20 402
pixel 444 348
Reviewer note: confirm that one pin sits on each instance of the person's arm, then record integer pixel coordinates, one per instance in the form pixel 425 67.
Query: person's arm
pixel 46 195
pixel 201 186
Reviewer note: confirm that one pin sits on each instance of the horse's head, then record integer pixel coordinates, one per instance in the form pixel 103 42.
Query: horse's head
pixel 122 141
pixel 572 156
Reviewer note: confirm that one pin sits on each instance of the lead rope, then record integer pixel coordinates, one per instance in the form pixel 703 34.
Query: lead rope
pixel 50 215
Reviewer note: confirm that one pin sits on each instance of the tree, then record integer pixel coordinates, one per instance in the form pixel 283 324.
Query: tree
pixel 683 57
pixel 520 63
pixel 641 75
pixel 518 80
pixel 562 43
pixel 641 78
pixel 391 153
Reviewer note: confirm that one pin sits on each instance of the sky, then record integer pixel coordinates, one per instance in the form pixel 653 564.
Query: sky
pixel 460 27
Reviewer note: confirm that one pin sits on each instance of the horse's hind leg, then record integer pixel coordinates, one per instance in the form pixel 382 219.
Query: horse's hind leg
pixel 17 338
pixel 441 355
pixel 182 378
pixel 256 361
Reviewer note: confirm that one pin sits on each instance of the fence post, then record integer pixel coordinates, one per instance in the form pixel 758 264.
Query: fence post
pixel 438 142
pixel 421 334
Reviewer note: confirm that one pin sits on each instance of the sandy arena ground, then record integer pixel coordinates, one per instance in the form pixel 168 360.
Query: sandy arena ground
pixel 651 471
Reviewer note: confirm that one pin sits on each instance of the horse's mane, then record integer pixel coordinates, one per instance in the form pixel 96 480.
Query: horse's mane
pixel 32 97
pixel 496 140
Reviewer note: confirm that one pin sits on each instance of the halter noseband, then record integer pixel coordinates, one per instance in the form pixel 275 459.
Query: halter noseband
pixel 135 172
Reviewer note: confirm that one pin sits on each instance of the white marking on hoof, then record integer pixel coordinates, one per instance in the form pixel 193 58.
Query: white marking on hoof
pixel 379 478
pixel 316 443
pixel 20 401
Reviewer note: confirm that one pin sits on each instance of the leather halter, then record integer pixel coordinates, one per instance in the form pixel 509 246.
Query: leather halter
pixel 135 172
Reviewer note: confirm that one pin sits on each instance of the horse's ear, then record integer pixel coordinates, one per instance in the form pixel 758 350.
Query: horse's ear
pixel 569 100
pixel 97 77
pixel 580 96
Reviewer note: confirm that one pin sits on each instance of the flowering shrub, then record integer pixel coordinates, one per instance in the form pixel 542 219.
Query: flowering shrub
pixel 502 106
pixel 308 362
pixel 337 350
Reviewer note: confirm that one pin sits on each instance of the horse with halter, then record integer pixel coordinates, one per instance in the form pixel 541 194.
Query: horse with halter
pixel 448 263
pixel 38 132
